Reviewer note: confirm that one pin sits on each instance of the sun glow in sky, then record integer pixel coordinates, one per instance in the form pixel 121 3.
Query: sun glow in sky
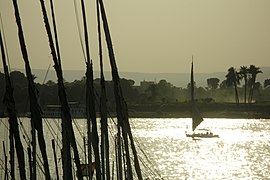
pixel 150 35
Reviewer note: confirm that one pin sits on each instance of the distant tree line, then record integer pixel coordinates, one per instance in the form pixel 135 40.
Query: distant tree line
pixel 229 90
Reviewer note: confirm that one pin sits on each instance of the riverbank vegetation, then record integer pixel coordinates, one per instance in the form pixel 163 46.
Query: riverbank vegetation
pixel 238 92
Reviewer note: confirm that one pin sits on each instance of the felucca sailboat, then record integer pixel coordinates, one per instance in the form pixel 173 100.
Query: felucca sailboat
pixel 196 116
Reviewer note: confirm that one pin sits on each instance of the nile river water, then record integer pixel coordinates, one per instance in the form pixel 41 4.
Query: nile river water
pixel 241 152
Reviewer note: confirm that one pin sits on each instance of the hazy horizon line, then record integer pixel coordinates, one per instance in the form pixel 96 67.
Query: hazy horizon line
pixel 52 69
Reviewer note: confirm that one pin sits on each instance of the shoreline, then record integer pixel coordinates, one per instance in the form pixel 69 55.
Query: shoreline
pixel 204 115
pixel 224 114
pixel 182 110
pixel 211 110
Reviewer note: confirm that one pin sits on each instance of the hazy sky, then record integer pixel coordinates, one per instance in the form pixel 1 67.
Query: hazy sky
pixel 150 35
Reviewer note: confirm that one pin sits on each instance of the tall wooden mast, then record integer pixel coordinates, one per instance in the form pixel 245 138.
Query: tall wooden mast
pixel 90 101
pixel 11 136
pixel 65 111
pixel 66 154
pixel 13 121
pixel 103 108
pixel 121 107
pixel 36 119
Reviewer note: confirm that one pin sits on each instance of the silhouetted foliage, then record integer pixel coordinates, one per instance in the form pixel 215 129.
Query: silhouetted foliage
pixel 266 83
pixel 161 92
pixel 223 85
pixel 212 83
pixel 253 71
pixel 232 80
pixel 18 79
pixel 50 83
pixel 244 75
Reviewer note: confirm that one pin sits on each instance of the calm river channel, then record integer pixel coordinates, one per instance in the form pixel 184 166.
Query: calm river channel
pixel 241 152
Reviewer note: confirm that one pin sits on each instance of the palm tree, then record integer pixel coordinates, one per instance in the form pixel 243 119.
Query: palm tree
pixel 232 79
pixel 266 83
pixel 244 74
pixel 253 71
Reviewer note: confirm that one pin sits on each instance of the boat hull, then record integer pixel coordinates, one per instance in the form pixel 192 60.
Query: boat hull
pixel 202 135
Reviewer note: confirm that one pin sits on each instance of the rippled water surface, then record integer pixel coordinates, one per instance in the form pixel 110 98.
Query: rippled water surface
pixel 241 152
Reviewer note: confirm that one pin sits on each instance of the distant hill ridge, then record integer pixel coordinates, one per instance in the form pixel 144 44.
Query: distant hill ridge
pixel 177 79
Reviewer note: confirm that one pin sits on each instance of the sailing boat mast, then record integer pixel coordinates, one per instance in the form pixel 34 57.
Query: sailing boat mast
pixel 121 109
pixel 65 112
pixel 103 108
pixel 90 100
pixel 36 119
pixel 196 116
pixel 66 154
pixel 11 136
pixel 13 120
pixel 192 83
pixel 12 157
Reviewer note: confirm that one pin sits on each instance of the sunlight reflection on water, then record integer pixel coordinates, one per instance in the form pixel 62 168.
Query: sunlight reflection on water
pixel 242 151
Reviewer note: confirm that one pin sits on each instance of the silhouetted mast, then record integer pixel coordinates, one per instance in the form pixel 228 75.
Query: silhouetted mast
pixel 65 111
pixel 66 154
pixel 196 116
pixel 36 120
pixel 11 136
pixel 5 157
pixel 121 107
pixel 13 121
pixel 90 102
pixel 103 108
pixel 192 83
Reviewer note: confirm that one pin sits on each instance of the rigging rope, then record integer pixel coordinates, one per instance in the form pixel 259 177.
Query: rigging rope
pixel 24 132
pixel 28 142
pixel 145 155
pixel 2 25
pixel 79 29
pixel 46 74
pixel 51 131
pixel 4 124
pixel 2 164
pixel 74 120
